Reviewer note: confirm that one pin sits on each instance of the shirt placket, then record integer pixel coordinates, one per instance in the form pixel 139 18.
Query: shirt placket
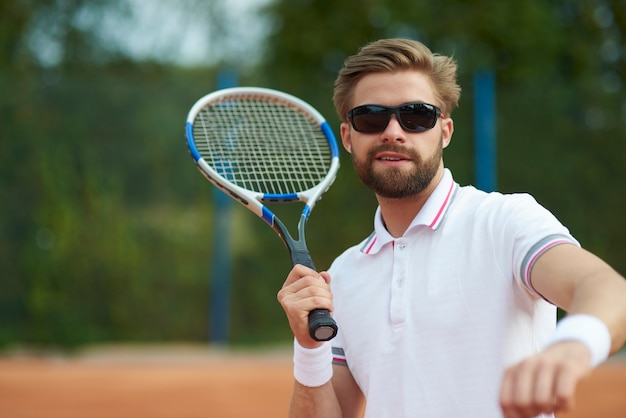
pixel 398 284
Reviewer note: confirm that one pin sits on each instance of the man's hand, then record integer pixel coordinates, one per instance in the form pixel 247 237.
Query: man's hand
pixel 304 290
pixel 546 382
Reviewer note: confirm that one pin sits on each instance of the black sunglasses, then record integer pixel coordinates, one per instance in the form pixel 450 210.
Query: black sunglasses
pixel 413 117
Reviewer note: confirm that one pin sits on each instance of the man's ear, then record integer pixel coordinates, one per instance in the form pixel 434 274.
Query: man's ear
pixel 346 137
pixel 447 129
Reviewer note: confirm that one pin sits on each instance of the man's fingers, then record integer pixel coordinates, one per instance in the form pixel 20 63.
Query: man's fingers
pixel 307 295
pixel 544 390
pixel 565 388
pixel 304 290
pixel 544 383
pixel 299 271
pixel 519 400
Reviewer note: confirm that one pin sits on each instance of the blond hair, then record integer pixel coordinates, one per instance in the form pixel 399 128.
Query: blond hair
pixel 390 55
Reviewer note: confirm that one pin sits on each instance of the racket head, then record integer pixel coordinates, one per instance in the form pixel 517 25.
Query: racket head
pixel 262 145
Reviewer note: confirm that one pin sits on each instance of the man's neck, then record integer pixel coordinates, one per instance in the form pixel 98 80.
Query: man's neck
pixel 397 214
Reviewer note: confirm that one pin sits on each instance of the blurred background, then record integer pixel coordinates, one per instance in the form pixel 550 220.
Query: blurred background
pixel 107 231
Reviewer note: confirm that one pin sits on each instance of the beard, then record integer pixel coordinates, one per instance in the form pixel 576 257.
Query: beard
pixel 396 183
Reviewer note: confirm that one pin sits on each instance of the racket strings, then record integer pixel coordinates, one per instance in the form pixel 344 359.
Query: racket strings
pixel 263 146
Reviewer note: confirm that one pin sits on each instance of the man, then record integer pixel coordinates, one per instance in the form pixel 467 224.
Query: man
pixel 448 308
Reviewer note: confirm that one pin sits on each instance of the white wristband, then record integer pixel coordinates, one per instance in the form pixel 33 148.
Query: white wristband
pixel 587 329
pixel 312 367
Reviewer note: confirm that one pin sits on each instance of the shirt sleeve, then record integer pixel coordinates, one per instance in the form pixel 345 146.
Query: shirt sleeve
pixel 527 230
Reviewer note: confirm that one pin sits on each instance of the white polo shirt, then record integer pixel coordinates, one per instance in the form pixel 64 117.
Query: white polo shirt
pixel 428 322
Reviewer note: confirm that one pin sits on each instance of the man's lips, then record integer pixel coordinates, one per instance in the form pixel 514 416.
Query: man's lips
pixel 391 156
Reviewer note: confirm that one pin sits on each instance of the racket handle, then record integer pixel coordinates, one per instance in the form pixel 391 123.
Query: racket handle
pixel 322 326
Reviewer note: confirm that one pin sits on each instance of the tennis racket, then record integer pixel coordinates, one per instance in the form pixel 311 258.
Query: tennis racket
pixel 263 146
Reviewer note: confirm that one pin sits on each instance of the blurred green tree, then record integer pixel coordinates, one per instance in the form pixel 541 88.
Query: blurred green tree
pixel 100 207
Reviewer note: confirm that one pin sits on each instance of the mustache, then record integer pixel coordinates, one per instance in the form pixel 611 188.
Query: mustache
pixel 412 154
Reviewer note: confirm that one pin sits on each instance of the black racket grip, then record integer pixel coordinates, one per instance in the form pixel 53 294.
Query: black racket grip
pixel 322 326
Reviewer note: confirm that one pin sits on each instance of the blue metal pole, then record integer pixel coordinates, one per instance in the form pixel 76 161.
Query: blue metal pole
pixel 485 130
pixel 219 315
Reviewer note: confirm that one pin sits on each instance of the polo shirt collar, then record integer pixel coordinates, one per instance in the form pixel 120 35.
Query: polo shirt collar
pixel 430 215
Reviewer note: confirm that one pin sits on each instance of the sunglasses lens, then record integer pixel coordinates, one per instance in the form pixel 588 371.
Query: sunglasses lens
pixel 418 117
pixel 370 118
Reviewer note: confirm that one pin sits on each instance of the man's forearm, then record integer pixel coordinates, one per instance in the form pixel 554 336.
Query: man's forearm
pixel 314 402
pixel 603 296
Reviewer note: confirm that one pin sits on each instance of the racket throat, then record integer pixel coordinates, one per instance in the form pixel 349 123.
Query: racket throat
pixel 297 248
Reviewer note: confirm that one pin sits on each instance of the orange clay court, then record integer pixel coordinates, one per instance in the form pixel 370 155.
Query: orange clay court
pixel 190 382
